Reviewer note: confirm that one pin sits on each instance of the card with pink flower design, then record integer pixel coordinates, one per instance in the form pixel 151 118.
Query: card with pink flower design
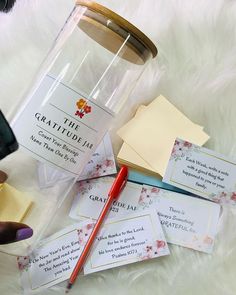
pixel 54 259
pixel 202 172
pixel 92 194
pixel 102 163
pixel 132 238
pixel 128 239
pixel 187 221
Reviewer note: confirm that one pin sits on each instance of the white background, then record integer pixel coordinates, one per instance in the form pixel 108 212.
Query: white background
pixel 196 70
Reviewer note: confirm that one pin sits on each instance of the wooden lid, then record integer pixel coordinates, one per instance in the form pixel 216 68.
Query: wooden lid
pixel 137 44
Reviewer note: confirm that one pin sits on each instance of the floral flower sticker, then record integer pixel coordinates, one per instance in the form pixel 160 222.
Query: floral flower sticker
pixel 83 108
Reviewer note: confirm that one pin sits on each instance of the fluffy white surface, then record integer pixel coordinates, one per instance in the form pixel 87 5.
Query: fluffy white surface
pixel 196 70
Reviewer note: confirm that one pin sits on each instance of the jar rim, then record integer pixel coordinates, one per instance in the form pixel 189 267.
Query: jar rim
pixel 122 22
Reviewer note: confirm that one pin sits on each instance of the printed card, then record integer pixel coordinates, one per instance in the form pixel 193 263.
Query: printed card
pixel 93 194
pixel 187 221
pixel 101 163
pixel 132 238
pixel 202 172
pixel 184 218
pixel 54 260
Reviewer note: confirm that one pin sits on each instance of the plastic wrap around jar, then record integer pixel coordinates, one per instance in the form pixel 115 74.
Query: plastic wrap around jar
pixel 85 79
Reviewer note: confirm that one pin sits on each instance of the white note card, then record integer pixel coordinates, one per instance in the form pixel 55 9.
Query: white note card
pixel 53 261
pixel 92 194
pixel 187 221
pixel 202 172
pixel 184 218
pixel 132 238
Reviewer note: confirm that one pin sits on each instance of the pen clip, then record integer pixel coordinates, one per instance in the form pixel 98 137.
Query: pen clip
pixel 119 183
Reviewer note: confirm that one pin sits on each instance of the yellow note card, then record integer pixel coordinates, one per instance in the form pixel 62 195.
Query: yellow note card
pixel 151 134
pixel 128 156
pixel 13 203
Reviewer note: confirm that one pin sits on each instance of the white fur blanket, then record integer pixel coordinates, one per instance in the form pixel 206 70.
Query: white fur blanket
pixel 196 70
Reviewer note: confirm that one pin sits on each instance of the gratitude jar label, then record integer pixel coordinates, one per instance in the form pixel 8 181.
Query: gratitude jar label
pixel 61 126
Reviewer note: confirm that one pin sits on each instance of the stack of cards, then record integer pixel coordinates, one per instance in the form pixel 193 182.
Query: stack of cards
pixel 150 135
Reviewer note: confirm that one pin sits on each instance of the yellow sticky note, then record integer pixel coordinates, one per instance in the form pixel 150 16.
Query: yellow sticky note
pixel 13 204
pixel 140 109
pixel 128 156
pixel 151 134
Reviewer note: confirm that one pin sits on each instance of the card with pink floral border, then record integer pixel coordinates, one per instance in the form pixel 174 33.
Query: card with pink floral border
pixel 92 194
pixel 202 172
pixel 128 239
pixel 187 221
pixel 54 259
pixel 102 162
pixel 132 238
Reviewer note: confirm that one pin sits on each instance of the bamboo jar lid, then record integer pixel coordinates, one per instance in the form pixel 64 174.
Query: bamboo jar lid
pixel 111 30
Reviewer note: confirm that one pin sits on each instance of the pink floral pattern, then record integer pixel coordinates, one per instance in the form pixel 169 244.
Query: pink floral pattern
pixel 160 244
pixel 144 199
pixel 155 190
pixel 23 262
pixel 104 167
pixel 208 240
pixel 233 196
pixel 155 249
pixel 147 197
pixel 84 232
pixel 84 186
pixel 181 149
pixel 224 197
pixel 202 243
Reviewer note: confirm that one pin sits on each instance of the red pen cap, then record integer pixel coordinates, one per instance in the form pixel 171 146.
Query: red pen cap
pixel 119 182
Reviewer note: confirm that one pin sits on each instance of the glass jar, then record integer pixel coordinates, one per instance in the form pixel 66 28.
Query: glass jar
pixel 82 84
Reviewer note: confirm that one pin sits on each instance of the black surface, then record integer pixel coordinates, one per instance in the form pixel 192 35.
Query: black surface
pixel 8 143
pixel 6 5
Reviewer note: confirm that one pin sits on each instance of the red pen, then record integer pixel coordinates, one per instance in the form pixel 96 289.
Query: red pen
pixel 116 189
